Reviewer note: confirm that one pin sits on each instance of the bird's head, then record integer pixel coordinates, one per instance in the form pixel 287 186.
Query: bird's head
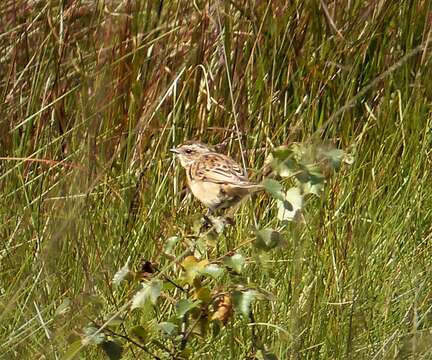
pixel 189 152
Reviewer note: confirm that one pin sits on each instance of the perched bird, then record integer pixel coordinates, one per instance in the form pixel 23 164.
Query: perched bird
pixel 215 179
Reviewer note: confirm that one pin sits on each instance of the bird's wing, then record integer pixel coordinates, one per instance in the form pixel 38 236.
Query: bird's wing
pixel 220 169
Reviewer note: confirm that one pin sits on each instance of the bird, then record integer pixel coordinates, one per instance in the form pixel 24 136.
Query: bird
pixel 215 179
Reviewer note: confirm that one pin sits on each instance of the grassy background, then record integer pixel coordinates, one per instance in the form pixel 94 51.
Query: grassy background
pixel 93 94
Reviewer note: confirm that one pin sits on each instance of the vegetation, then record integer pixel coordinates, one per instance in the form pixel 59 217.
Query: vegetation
pixel 102 250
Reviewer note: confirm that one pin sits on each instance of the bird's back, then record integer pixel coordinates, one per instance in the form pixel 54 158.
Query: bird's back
pixel 218 168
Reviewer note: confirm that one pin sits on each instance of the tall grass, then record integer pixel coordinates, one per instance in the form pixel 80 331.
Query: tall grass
pixel 93 95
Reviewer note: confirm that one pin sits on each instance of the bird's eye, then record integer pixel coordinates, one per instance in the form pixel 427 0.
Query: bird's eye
pixel 188 151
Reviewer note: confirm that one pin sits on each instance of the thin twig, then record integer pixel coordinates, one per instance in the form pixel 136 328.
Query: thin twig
pixel 127 338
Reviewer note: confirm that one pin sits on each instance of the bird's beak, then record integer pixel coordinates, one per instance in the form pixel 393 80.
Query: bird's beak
pixel 174 151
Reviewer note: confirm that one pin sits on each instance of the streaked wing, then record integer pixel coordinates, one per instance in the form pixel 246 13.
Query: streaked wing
pixel 220 169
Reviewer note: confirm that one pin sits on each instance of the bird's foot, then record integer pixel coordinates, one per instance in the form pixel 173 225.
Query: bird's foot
pixel 217 223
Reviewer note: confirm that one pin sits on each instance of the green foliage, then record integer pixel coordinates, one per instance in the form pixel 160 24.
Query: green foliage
pixel 149 292
pixel 167 327
pixel 274 188
pixel 112 349
pixel 93 336
pixel 328 104
pixel 290 204
pixel 235 262
pixel 267 239
pixel 243 300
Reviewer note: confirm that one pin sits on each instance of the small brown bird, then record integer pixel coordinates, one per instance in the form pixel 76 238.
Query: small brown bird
pixel 215 179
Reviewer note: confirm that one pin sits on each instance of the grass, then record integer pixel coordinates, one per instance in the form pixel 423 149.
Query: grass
pixel 94 94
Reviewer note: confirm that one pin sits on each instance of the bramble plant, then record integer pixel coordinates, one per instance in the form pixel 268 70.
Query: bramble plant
pixel 200 291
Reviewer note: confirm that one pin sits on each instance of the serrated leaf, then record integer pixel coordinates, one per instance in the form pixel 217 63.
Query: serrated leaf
pixel 267 239
pixel 274 188
pixel 185 305
pixel 112 349
pixel 167 327
pixel 122 274
pixel 170 244
pixel 243 300
pixel 148 292
pixel 235 262
pixel 212 270
pixel 93 336
pixel 292 202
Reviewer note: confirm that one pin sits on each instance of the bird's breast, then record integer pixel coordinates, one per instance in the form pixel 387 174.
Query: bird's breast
pixel 206 192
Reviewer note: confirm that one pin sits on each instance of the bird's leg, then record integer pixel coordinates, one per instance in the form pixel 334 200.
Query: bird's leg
pixel 206 217
pixel 207 222
pixel 213 222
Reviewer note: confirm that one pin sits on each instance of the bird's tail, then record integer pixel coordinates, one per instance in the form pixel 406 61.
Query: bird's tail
pixel 250 187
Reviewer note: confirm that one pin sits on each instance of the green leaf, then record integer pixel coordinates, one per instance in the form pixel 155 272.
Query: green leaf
pixel 335 156
pixel 203 294
pixel 310 173
pixel 235 262
pixel 115 321
pixel 286 159
pixel 267 239
pixel 185 305
pixel 141 297
pixel 287 168
pixel 274 188
pixel 156 287
pixel 243 300
pixel 315 175
pixel 193 268
pixel 112 349
pixel 167 327
pixel 148 292
pixel 288 207
pixel 170 244
pixel 93 336
pixel 63 308
pixel 139 332
pixel 282 152
pixel 213 270
pixel 310 188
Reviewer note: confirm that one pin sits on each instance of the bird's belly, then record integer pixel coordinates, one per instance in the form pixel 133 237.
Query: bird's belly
pixel 206 192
